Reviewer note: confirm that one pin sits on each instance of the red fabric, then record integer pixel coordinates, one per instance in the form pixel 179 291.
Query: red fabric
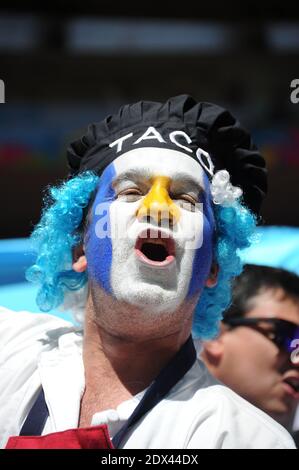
pixel 94 437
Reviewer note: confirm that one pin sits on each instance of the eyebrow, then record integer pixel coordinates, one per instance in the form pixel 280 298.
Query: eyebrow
pixel 182 179
pixel 132 175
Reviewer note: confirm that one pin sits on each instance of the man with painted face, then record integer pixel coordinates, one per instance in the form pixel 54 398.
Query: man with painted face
pixel 144 234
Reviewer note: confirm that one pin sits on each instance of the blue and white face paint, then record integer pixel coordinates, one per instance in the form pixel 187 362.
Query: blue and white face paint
pixel 150 241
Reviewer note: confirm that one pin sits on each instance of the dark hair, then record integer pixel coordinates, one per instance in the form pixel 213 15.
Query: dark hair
pixel 255 279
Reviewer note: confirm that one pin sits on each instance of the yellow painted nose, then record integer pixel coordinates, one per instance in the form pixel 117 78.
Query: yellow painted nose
pixel 157 203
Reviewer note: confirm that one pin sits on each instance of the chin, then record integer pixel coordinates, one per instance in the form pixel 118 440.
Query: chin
pixel 279 409
pixel 148 297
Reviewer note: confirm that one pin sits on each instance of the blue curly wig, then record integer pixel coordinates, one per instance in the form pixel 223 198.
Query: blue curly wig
pixel 58 232
pixel 235 226
pixel 55 237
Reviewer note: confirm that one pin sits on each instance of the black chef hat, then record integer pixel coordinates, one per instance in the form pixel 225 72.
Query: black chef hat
pixel 183 124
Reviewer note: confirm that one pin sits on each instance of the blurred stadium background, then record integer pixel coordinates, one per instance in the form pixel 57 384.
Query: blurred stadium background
pixel 67 65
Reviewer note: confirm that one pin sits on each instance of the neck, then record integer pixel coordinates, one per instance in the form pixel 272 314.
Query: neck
pixel 124 349
pixel 127 360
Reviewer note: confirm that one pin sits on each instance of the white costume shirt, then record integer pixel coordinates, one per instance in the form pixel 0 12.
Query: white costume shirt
pixel 198 413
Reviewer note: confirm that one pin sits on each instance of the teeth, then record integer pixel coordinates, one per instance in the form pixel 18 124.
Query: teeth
pixel 155 241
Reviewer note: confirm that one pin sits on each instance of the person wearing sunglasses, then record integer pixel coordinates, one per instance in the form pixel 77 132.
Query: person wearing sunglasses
pixel 257 351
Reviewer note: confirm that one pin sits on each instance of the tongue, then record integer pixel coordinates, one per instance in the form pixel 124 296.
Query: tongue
pixel 154 251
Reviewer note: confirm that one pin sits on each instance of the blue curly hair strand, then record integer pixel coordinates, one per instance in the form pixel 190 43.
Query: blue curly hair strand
pixel 58 233
pixel 235 226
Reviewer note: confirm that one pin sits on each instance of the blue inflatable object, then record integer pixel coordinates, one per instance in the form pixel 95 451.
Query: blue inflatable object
pixel 276 246
pixel 15 257
pixel 15 292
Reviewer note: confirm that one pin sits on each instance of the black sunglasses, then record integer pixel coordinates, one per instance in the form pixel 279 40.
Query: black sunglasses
pixel 282 333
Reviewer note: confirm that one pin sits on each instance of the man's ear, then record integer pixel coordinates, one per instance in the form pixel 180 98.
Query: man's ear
pixel 79 259
pixel 213 277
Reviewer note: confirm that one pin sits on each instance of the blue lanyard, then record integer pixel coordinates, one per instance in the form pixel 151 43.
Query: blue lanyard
pixel 169 376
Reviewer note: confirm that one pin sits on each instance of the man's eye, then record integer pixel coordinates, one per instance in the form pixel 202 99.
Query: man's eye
pixel 130 195
pixel 185 198
pixel 188 199
pixel 185 201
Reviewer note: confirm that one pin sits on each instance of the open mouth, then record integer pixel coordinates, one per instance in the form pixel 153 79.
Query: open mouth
pixel 294 383
pixel 291 385
pixel 155 248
